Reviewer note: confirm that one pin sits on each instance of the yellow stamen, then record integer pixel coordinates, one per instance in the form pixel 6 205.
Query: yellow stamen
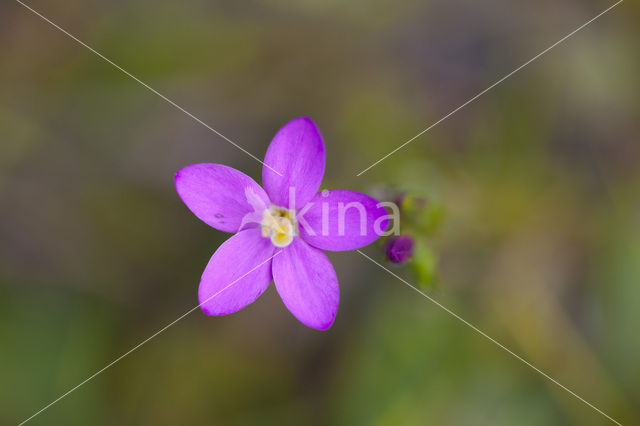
pixel 279 225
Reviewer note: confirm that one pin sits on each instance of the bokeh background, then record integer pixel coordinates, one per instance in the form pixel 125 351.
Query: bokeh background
pixel 539 181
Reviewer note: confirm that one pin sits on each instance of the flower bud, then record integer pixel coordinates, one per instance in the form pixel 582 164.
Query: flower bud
pixel 399 249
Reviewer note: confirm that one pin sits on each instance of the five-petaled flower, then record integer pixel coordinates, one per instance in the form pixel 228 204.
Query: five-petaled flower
pixel 281 230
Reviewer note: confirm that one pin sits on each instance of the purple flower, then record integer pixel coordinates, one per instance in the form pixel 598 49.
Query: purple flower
pixel 399 249
pixel 281 230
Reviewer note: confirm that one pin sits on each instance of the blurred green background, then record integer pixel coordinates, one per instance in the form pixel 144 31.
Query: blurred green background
pixel 539 179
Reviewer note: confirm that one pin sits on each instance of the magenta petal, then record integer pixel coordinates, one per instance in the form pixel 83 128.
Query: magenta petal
pixel 363 221
pixel 297 153
pixel 238 272
pixel 220 196
pixel 307 284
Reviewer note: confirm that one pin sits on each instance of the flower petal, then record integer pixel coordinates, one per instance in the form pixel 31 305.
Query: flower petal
pixel 307 284
pixel 220 196
pixel 297 153
pixel 352 220
pixel 238 272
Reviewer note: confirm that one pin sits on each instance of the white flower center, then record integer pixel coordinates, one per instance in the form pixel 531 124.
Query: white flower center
pixel 280 225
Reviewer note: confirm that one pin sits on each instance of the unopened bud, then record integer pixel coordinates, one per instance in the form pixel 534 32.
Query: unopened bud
pixel 399 249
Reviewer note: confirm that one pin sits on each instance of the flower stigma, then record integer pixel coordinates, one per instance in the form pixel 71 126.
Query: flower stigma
pixel 279 224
